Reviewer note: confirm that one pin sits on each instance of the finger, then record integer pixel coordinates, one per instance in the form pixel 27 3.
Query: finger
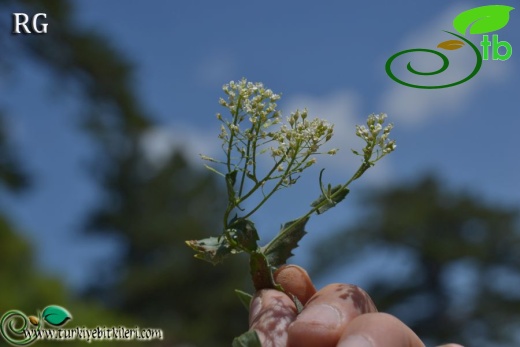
pixel 296 281
pixel 326 315
pixel 270 314
pixel 378 330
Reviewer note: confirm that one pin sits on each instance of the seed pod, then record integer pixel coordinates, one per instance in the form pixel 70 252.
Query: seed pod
pixel 34 320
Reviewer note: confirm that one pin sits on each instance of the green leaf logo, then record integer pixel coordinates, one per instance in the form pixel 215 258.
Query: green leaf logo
pixel 482 19
pixel 56 315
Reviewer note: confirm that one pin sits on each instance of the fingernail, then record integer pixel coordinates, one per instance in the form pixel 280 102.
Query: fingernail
pixel 324 315
pixel 355 341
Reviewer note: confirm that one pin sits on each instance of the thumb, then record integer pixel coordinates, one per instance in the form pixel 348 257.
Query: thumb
pixel 296 281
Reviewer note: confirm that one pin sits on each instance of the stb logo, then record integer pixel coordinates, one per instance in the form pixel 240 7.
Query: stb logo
pixel 479 20
pixel 21 22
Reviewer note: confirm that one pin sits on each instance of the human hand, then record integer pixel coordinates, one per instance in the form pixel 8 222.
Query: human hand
pixel 339 315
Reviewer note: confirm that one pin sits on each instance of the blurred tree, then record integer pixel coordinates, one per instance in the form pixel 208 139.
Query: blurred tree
pixel 158 278
pixel 24 288
pixel 13 177
pixel 463 265
pixel 151 209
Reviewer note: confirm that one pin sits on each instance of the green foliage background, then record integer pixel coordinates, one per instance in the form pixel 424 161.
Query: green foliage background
pixel 448 238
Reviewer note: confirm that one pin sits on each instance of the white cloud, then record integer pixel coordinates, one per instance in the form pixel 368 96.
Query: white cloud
pixel 414 106
pixel 161 141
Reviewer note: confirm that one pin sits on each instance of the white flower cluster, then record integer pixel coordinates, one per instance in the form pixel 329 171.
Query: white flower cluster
pixel 255 128
pixel 251 100
pixel 300 138
pixel 371 134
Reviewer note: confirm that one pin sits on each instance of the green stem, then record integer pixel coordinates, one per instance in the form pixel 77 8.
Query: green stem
pixel 226 215
pixel 230 207
pixel 244 170
pixel 364 167
pixel 255 128
pixel 278 184
pixel 230 146
pixel 263 180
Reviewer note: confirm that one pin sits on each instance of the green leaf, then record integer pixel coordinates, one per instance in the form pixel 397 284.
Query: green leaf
pixel 56 315
pixel 213 170
pixel 482 19
pixel 297 303
pixel 243 232
pixel 337 194
pixel 280 248
pixel 245 298
pixel 262 272
pixel 247 339
pixel 211 249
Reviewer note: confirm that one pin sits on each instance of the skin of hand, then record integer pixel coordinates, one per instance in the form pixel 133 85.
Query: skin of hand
pixel 339 315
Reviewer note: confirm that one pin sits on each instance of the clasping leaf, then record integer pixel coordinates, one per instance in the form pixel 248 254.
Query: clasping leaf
pixel 280 248
pixel 212 249
pixel 243 234
pixel 332 198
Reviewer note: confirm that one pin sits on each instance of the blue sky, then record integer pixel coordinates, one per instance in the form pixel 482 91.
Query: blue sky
pixel 328 57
